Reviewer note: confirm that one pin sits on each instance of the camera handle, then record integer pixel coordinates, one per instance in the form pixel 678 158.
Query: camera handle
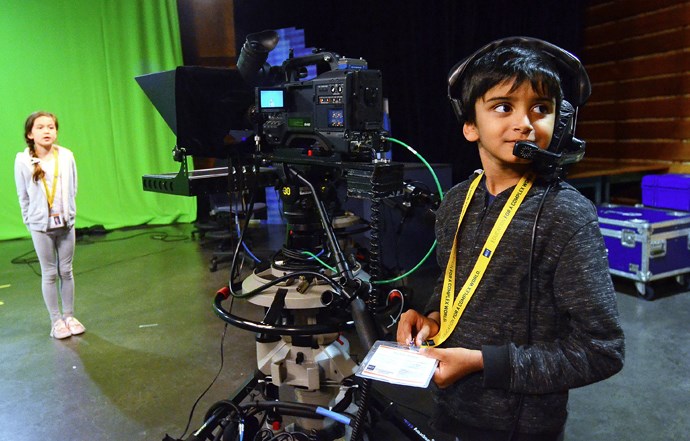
pixel 291 66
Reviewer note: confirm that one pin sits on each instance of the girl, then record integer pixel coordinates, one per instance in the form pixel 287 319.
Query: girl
pixel 46 179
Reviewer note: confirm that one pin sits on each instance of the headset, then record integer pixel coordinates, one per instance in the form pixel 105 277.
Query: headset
pixel 564 148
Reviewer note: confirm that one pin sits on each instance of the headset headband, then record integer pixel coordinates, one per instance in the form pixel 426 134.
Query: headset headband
pixel 578 80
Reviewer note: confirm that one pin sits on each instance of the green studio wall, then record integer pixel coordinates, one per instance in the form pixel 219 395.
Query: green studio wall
pixel 78 59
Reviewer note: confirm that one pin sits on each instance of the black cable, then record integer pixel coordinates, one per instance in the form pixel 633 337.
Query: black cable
pixel 337 288
pixel 409 408
pixel 531 262
pixel 247 217
pixel 20 260
pixel 261 435
pixel 221 404
pixel 155 235
pixel 283 436
pixel 304 435
pixel 296 260
pixel 220 369
pixel 533 242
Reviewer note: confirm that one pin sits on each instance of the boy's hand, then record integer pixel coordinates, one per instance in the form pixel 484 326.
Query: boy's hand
pixel 454 363
pixel 413 325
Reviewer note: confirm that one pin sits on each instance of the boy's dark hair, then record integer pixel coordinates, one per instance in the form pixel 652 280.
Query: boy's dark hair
pixel 504 63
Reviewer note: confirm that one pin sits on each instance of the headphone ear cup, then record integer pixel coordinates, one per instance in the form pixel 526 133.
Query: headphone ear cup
pixel 457 108
pixel 563 129
pixel 454 85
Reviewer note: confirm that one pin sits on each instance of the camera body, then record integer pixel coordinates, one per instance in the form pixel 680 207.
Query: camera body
pixel 337 116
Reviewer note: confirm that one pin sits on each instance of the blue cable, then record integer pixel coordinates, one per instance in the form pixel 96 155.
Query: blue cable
pixel 244 245
pixel 333 415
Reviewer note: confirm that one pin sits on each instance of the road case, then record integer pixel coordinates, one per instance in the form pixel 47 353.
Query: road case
pixel 666 191
pixel 646 244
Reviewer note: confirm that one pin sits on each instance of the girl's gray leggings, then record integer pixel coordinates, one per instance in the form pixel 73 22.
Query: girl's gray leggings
pixel 55 249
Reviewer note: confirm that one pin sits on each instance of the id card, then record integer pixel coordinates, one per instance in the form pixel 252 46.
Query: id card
pixel 398 364
pixel 55 221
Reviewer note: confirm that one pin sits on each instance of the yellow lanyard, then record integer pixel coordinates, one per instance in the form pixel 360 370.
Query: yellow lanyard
pixel 450 315
pixel 51 195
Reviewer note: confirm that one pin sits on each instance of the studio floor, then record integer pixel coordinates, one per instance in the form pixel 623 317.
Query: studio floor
pixel 153 345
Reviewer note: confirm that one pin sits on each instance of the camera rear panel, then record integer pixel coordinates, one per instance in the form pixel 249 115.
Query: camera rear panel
pixel 339 111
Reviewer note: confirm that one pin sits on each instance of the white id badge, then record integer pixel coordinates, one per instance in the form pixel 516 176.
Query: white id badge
pixel 398 364
pixel 55 221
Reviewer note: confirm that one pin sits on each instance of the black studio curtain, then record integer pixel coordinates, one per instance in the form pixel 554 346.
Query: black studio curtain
pixel 415 44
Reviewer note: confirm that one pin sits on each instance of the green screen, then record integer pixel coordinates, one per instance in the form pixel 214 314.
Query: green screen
pixel 78 59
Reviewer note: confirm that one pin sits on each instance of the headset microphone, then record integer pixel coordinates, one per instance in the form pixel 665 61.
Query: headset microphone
pixel 541 157
pixel 563 150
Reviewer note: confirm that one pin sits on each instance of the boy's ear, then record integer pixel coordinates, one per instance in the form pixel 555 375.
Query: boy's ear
pixel 470 132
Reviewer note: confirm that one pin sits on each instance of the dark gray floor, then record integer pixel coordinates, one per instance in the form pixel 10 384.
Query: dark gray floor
pixel 153 345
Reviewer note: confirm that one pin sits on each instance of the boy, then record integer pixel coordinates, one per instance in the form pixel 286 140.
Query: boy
pixel 536 313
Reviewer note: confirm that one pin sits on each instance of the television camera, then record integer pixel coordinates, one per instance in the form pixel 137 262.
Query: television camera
pixel 338 115
pixel 324 138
